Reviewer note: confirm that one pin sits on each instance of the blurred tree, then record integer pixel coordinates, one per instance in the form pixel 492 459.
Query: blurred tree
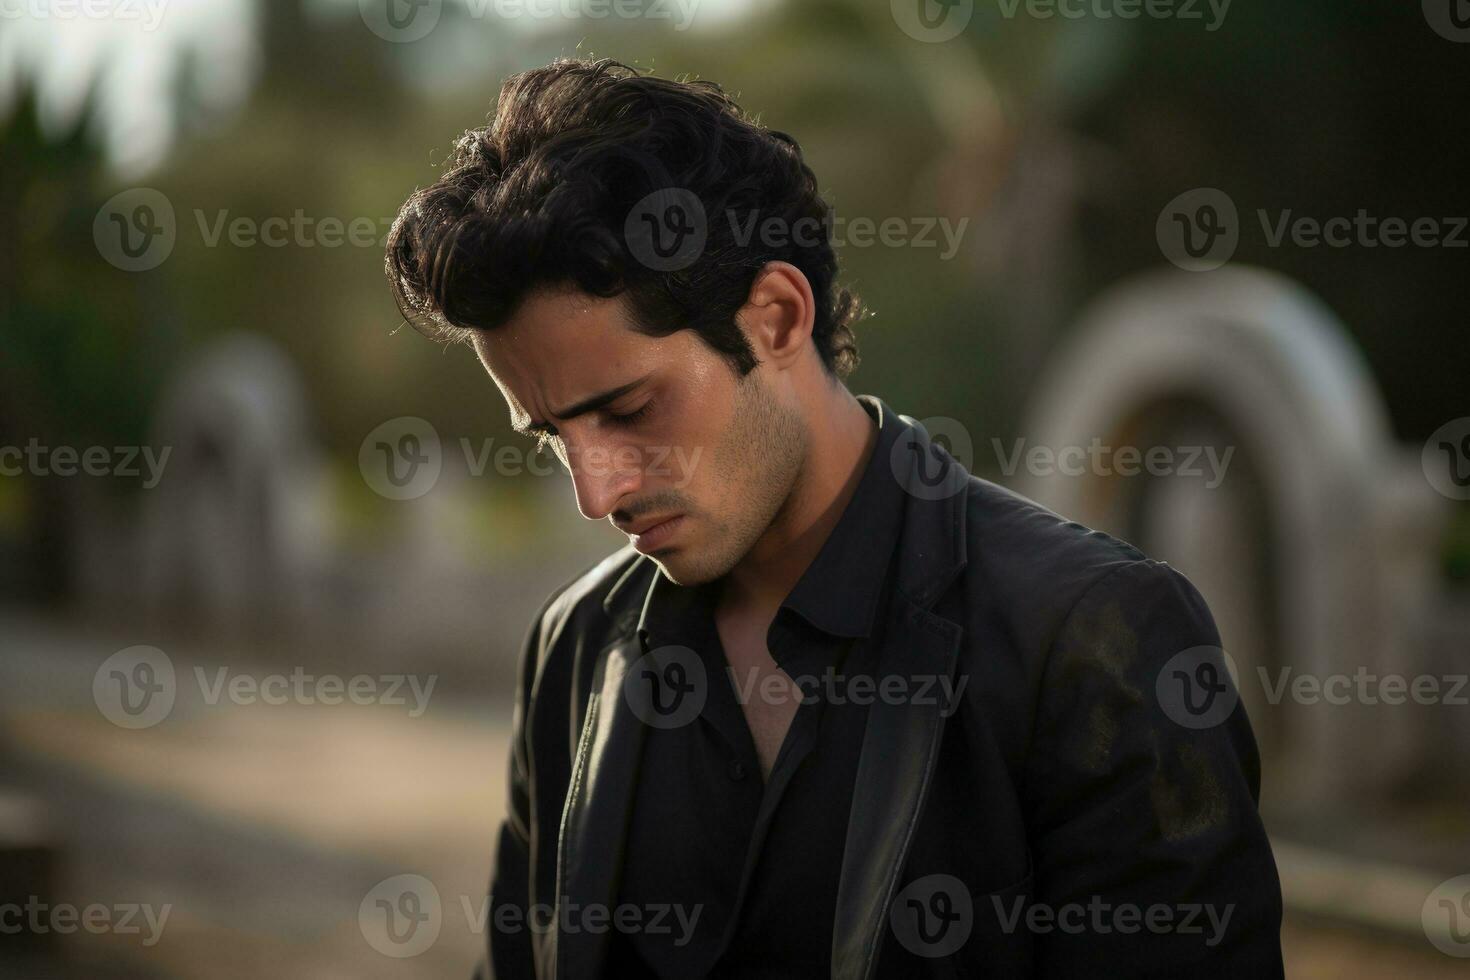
pixel 76 365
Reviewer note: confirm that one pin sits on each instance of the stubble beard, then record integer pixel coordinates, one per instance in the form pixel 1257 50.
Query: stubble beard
pixel 757 464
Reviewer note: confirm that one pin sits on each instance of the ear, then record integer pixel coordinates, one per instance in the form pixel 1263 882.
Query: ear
pixel 778 314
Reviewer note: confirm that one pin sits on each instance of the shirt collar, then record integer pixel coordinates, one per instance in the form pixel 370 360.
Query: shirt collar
pixel 840 590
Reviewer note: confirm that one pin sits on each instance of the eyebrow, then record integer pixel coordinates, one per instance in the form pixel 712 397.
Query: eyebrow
pixel 582 407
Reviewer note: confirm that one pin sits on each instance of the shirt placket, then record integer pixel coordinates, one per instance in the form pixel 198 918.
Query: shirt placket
pixel 800 741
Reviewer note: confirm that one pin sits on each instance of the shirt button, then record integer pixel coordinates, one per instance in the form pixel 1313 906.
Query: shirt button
pixel 737 770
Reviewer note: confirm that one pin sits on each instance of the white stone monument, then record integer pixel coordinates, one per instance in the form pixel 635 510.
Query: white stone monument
pixel 1315 548
pixel 233 530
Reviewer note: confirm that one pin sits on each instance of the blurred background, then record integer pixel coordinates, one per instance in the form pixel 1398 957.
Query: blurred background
pixel 1194 273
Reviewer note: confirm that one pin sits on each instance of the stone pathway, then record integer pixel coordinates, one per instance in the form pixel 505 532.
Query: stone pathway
pixel 265 827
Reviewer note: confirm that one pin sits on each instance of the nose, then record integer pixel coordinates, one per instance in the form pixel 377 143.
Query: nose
pixel 603 475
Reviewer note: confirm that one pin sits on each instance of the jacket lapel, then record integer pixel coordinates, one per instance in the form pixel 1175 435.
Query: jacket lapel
pixel 595 819
pixel 898 755
pixel 901 743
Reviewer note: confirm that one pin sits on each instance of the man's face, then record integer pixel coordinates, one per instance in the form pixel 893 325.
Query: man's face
pixel 652 429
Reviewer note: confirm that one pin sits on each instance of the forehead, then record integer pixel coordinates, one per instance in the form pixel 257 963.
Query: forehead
pixel 562 346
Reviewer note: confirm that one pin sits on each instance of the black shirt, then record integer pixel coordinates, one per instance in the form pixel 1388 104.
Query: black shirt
pixel 746 873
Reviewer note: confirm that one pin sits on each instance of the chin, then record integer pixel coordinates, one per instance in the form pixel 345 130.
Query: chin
pixel 679 569
pixel 690 566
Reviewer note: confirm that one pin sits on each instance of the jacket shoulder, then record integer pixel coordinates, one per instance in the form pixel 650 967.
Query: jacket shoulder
pixel 581 599
pixel 1031 565
pixel 571 621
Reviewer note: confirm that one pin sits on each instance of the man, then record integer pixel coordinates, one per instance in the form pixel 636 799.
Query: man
pixel 840 709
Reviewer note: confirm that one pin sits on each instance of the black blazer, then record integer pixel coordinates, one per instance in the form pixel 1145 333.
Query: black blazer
pixel 1087 830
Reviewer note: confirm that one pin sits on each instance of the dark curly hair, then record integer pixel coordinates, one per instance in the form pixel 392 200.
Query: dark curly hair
pixel 545 196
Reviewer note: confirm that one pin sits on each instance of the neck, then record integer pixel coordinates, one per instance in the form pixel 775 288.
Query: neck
pixel 840 438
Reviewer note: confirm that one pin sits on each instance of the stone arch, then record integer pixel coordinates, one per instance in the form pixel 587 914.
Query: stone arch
pixel 1321 503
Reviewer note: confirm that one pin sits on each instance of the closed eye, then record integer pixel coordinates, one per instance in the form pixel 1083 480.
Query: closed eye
pixel 631 418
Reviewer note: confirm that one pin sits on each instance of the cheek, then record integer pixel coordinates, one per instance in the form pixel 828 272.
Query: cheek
pixel 694 419
pixel 676 452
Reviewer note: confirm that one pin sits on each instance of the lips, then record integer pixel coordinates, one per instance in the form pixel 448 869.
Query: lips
pixel 643 526
pixel 655 533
